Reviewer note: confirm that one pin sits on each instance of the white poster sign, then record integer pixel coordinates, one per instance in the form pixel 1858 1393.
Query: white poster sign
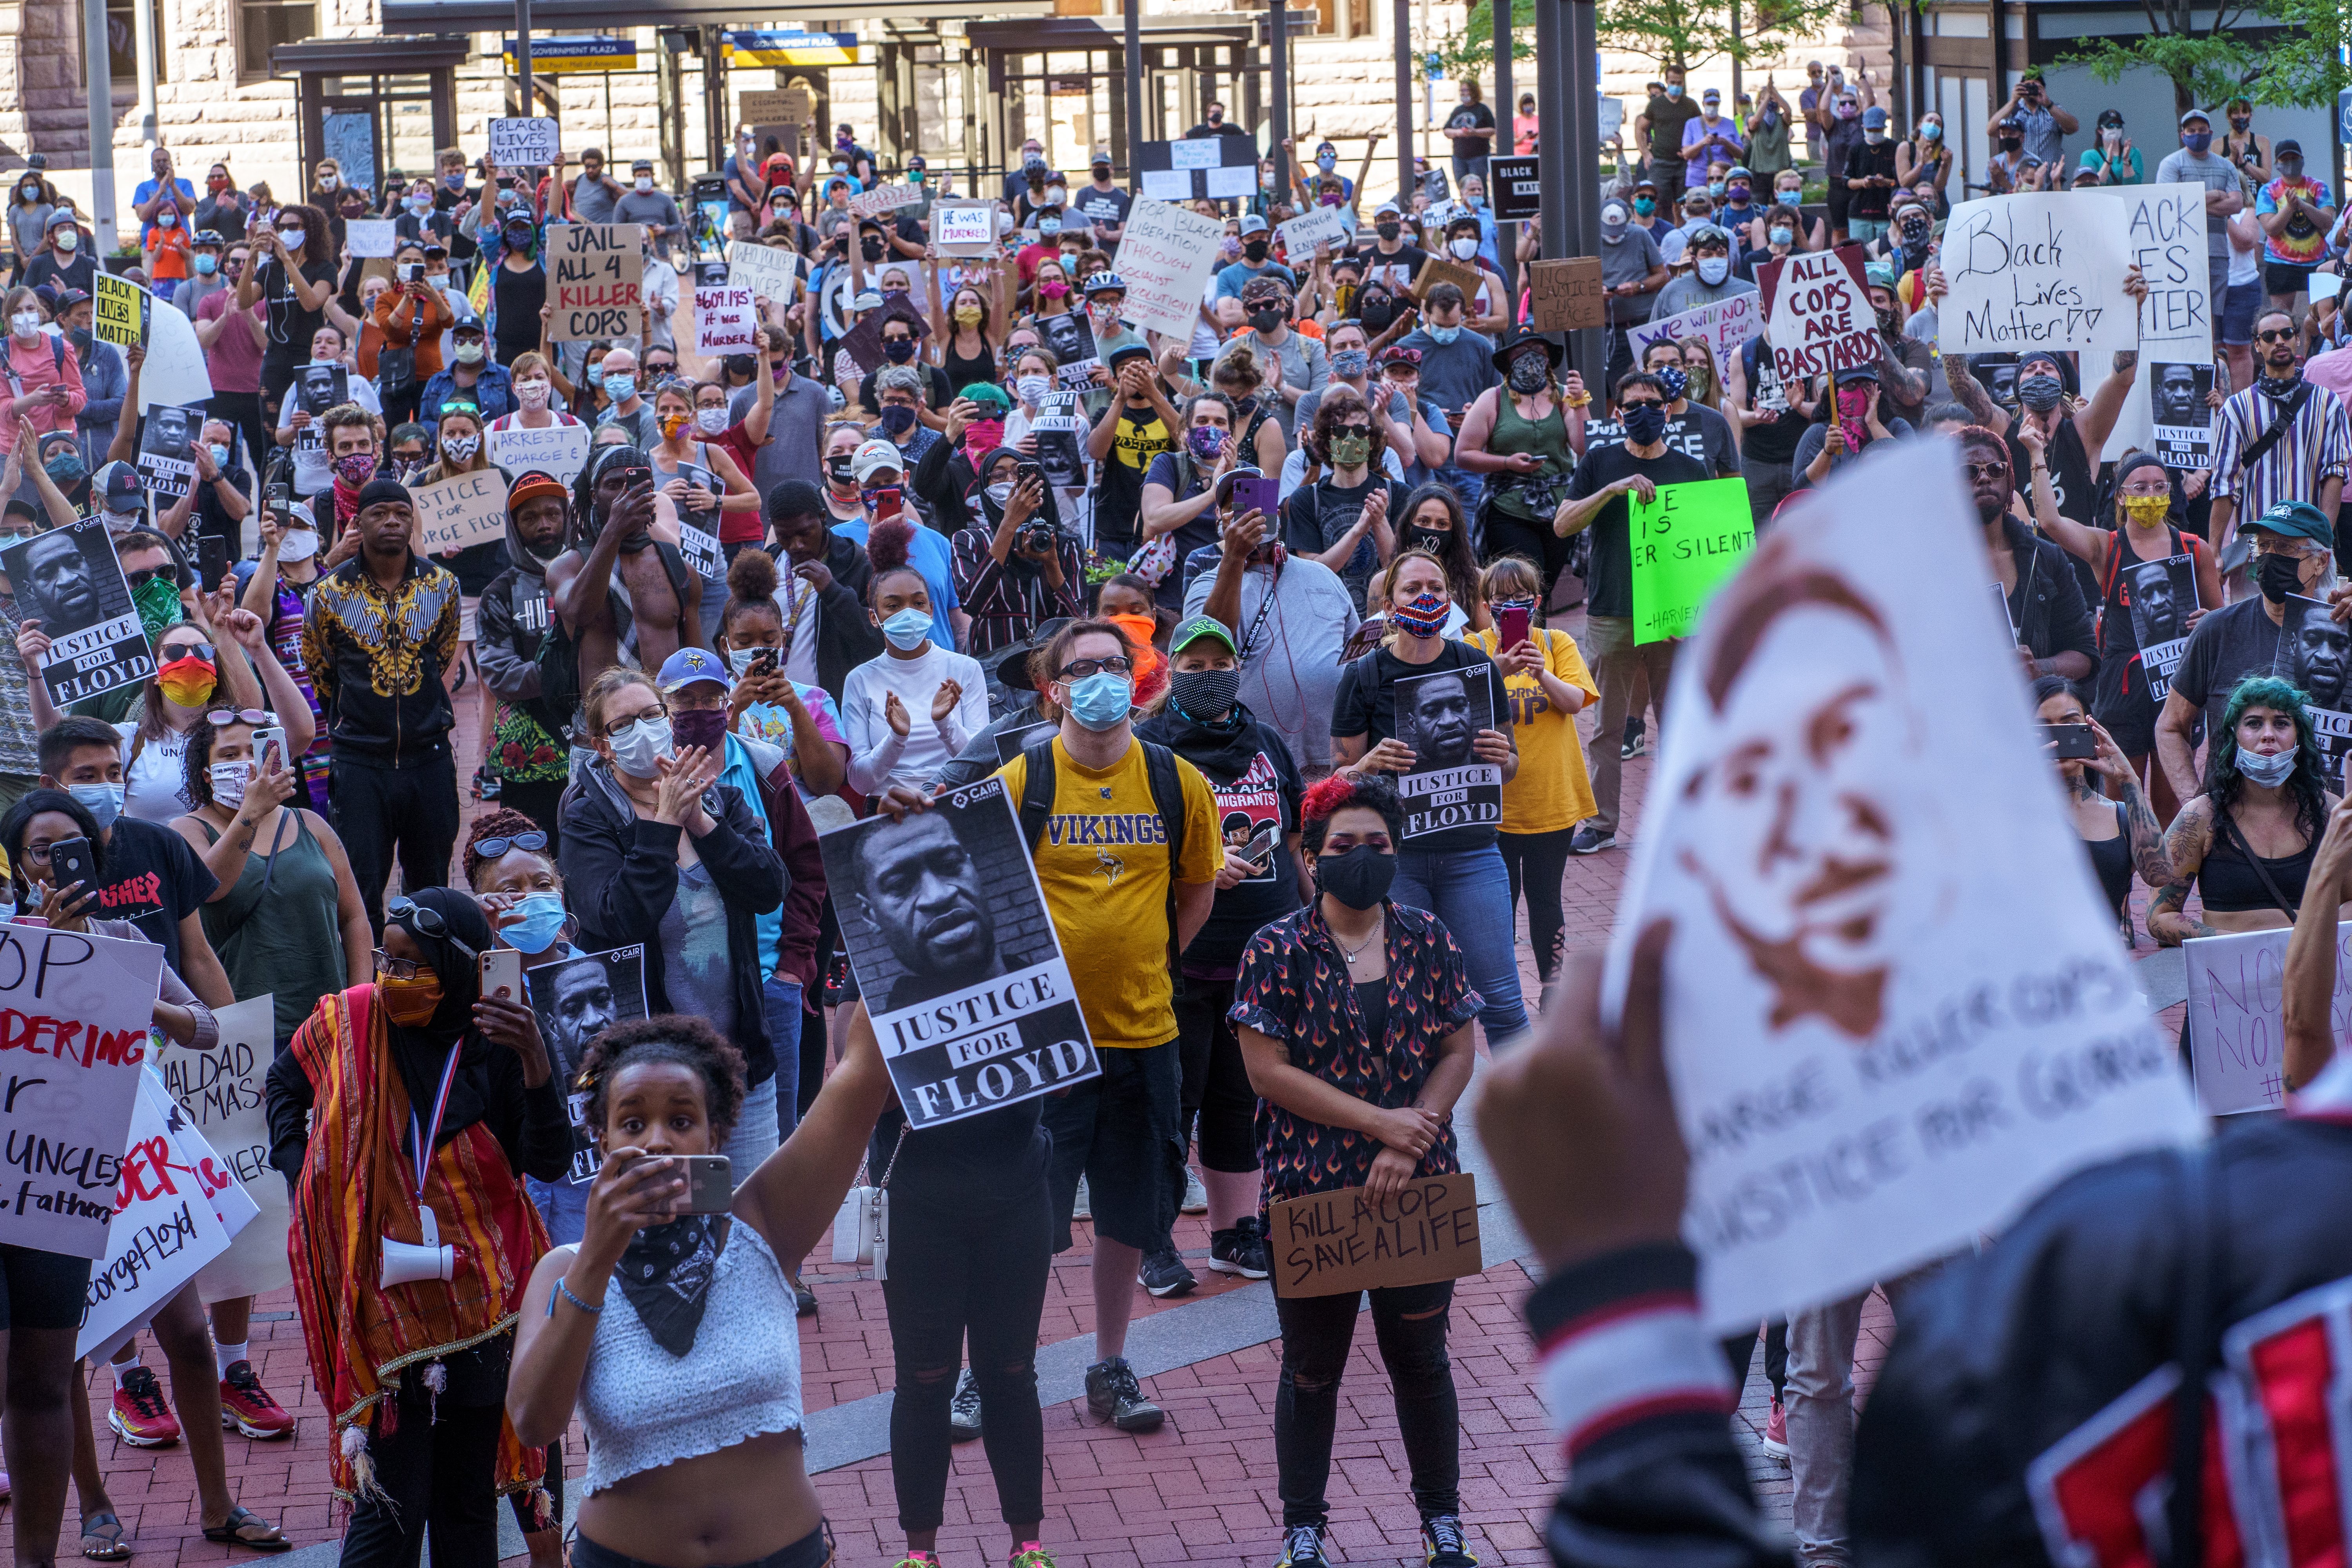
pixel 2038 271
pixel 963 228
pixel 560 451
pixel 885 199
pixel 1167 256
pixel 768 272
pixel 2237 1016
pixel 518 141
pixel 724 319
pixel 223 1091
pixel 1318 226
pixel 1725 324
pixel 370 238
pixel 2175 325
pixel 1877 1052
pixel 174 1211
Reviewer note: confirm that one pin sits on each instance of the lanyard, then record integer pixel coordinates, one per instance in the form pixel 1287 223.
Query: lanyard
pixel 420 1138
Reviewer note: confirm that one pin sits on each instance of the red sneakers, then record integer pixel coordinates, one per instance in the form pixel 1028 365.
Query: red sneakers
pixel 139 1417
pixel 1776 1434
pixel 246 1405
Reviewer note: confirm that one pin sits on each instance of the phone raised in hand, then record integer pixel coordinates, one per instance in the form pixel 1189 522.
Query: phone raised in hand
pixel 1259 850
pixel 886 505
pixel 1254 493
pixel 266 737
pixel 212 560
pixel 1512 621
pixel 502 973
pixel 710 1183
pixel 2074 741
pixel 70 862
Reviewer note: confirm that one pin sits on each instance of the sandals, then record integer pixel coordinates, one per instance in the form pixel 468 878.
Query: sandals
pixel 108 1533
pixel 233 1533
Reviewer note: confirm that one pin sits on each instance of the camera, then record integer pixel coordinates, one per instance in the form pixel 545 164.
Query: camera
pixel 1037 537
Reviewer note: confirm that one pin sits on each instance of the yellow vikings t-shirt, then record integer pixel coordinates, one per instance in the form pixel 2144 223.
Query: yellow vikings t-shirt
pixel 1103 862
pixel 1553 789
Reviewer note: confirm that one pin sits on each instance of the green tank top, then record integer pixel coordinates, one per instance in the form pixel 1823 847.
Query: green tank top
pixel 1532 498
pixel 277 929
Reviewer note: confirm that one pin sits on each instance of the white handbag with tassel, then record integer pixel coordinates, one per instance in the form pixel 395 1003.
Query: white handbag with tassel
pixel 861 1231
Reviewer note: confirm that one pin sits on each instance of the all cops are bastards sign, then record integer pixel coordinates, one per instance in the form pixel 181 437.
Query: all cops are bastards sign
pixel 2038 271
pixel 74 1016
pixel 1877 1052
pixel 69 581
pixel 1816 314
pixel 1448 787
pixel 954 950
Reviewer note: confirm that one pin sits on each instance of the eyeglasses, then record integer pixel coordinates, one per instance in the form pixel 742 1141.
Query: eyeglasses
pixel 1079 668
pixel 428 921
pixel 397 968
pixel 1987 470
pixel 220 717
pixel 2276 334
pixel 38 853
pixel 620 727
pixel 492 848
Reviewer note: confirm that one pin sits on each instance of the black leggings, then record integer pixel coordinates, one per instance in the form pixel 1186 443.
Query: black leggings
pixel 1217 1089
pixel 436 1469
pixel 1538 861
pixel 1739 1348
pixel 959 1267
pixel 1410 1323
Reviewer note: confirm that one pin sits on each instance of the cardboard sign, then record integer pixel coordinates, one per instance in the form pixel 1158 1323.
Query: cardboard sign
pixel 452 513
pixel 886 199
pixel 120 310
pixel 1877 1051
pixel 168 1220
pixel 2237 1016
pixel 123 315
pixel 1439 716
pixel 371 238
pixel 520 142
pixel 596 279
pixel 963 228
pixel 1167 256
pixel 69 579
pixel 2036 271
pixel 1332 1244
pixel 222 1091
pixel 724 321
pixel 559 451
pixel 1725 324
pixel 1817 312
pixel 770 273
pixel 1515 188
pixel 1319 224
pixel 1436 270
pixel 1685 543
pixel 79 1007
pixel 775 106
pixel 1568 296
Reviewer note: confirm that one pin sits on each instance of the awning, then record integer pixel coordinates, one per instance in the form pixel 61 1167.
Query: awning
pixel 382 55
pixel 483 15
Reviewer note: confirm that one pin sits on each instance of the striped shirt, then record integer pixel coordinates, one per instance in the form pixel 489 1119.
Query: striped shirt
pixel 2313 449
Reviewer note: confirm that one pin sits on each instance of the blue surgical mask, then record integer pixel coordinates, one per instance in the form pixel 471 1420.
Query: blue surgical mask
pixel 1789 198
pixel 102 801
pixel 1443 335
pixel 1101 700
pixel 907 628
pixel 620 388
pixel 741 658
pixel 2269 771
pixel 639 753
pixel 220 454
pixel 539 922
pixel 206 266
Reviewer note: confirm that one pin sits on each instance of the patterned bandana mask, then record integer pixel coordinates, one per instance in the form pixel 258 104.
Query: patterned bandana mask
pixel 666 1272
pixel 158 603
pixel 1424 617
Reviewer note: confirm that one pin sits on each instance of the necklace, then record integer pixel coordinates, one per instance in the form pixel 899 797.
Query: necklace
pixel 1351 954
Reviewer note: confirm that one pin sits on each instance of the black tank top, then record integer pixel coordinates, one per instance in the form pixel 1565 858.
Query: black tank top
pixel 2111 861
pixel 2229 883
pixel 1776 440
pixel 962 373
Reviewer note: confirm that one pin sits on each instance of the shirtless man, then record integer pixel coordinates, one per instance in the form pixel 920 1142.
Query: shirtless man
pixel 662 596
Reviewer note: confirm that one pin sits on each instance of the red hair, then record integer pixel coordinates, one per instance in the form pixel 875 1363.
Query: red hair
pixel 1332 792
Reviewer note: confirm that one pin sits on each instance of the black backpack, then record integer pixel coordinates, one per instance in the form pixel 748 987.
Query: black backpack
pixel 1167 784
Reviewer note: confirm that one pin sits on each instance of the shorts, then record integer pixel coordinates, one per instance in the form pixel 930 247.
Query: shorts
pixel 1863 230
pixel 2284 277
pixel 2242 303
pixel 469 609
pixel 1120 1132
pixel 44 1289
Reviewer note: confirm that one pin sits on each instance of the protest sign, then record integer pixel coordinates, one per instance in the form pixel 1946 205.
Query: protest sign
pixel 519 141
pixel 1685 543
pixel 463 510
pixel 724 319
pixel 885 199
pixel 697 527
pixel 1317 225
pixel 949 935
pixel 774 106
pixel 1817 312
pixel 1436 270
pixel 370 237
pixel 1213 167
pixel 596 279
pixel 164 442
pixel 2315 655
pixel 559 450
pixel 167 1222
pixel 2179 423
pixel 1167 256
pixel 119 311
pixel 1071 337
pixel 1877 1051
pixel 69 581
pixel 2237 1016
pixel 963 228
pixel 1725 325
pixel 2036 271
pixel 770 273
pixel 1439 716
pixel 1516 189
pixel 1331 1243
pixel 76 1008
pixel 576 1000
pixel 2162 595
pixel 1061 461
pixel 2174 327
pixel 124 314
pixel 223 1091
pixel 1568 296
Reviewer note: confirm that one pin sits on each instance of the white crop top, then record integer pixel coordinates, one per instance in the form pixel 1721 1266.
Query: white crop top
pixel 645 1408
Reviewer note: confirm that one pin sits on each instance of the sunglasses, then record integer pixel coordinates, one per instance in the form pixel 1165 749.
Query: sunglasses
pixel 221 718
pixel 1080 668
pixel 428 921
pixel 1987 470
pixel 146 576
pixel 492 848
pixel 2276 334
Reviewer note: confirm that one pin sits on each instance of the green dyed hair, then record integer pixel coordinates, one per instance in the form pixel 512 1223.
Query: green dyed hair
pixel 2308 784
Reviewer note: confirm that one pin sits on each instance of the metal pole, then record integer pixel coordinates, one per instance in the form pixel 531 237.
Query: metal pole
pixel 142 34
pixel 1403 24
pixel 522 53
pixel 1138 125
pixel 1554 148
pixel 1506 131
pixel 1735 62
pixel 1278 21
pixel 1590 346
pixel 97 66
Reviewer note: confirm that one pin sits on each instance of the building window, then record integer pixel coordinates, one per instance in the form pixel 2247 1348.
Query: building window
pixel 263 24
pixel 122 44
pixel 1343 19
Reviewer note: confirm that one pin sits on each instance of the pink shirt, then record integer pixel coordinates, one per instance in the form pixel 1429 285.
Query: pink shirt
pixel 234 358
pixel 29 368
pixel 2333 372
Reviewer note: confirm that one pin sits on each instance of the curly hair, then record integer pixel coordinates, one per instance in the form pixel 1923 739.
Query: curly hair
pixel 2308 784
pixel 890 547
pixel 1341 792
pixel 676 1038
pixel 19 819
pixel 1339 401
pixel 196 763
pixel 504 822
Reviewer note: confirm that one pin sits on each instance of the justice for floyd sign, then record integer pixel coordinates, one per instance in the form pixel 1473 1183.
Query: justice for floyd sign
pixel 955 953
pixel 1877 1053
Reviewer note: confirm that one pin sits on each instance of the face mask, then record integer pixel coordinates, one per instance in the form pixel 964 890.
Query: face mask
pixel 206 266
pixel 1424 617
pixel 102 801
pixel 1327 162
pixel 1714 269
pixel 1032 388
pixel 1350 363
pixel 703 727
pixel 898 351
pixel 1264 320
pixel 2195 142
pixel 1443 335
pixel 1673 89
pixel 870 248
pixel 897 420
pixel 167 220
pixel 1672 378
pixel 420 205
pixel 639 753
pixel 710 421
pixel 1433 540
pixel 907 629
pixel 1378 312
pixel 1530 373
pixel 1388 229
pixel 298 545
pixel 1204 693
pixel 1102 700
pixel 1847 110
pixel 188 681
pixel 645 182
pixel 981 436
pixel 1054 289
pixel 65 469
pixel 356 469
pixel 1645 422
pixel 2041 392
pixel 1000 494
pixel 533 395
pixel 1715 188
pixel 26 324
pixel 1254 249
pixel 838 470
pixel 1330 199
pixel 1931 133
pixel 1361 877
pixel 2291 168
pixel 1887 320
pixel 220 454
pixel 2269 771
pixel 1463 248
pixel 461 449
pixel 291 238
pixel 2279 575
pixel 1740 194
pixel 2241 122
pixel 1645 205
pixel 620 388
pixel 1783 237
pixel 2147 510
pixel 67 239
pixel 157 602
pixel 228 782
pixel 539 920
pixel 409 1004
pixel 1206 441
pixel 967 315
pixel 1350 451
pixel 1914 232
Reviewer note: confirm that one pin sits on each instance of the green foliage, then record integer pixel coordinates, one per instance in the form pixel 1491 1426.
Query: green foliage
pixel 2209 59
pixel 1471 52
pixel 1690 32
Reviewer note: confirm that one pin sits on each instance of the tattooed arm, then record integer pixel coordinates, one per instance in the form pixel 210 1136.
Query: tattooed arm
pixel 2143 833
pixel 2309 985
pixel 2184 848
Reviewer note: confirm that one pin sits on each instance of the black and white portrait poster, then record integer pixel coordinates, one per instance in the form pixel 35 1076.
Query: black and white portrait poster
pixel 1439 716
pixel 2176 404
pixel 69 580
pixel 1249 815
pixel 1010 744
pixel 577 999
pixel 164 441
pixel 949 934
pixel 1072 338
pixel 2315 655
pixel 1060 458
pixel 697 527
pixel 2163 594
pixel 317 388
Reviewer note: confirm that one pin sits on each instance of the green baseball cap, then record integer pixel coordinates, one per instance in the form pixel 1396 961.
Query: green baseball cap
pixel 1201 626
pixel 2297 520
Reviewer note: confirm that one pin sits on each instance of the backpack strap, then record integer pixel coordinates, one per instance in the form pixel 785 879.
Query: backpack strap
pixel 1167 782
pixel 1036 791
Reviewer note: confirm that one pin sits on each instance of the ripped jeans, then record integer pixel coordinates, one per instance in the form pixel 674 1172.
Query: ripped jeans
pixel 975 1267
pixel 1410 1323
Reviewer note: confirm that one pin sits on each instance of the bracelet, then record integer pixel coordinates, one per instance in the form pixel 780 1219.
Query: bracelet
pixel 566 1290
pixel 1578 401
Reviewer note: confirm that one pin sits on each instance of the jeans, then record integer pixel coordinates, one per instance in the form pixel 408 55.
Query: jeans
pixel 1617 661
pixel 753 1137
pixel 1821 1426
pixel 783 1008
pixel 1459 887
pixel 1464 167
pixel 1536 862
pixel 564 1205
pixel 1769 484
pixel 1410 1323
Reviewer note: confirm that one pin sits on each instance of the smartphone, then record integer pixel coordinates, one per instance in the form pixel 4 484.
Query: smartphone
pixel 1258 494
pixel 2074 741
pixel 886 505
pixel 763 662
pixel 212 560
pixel 631 478
pixel 1261 844
pixel 70 862
pixel 267 736
pixel 1026 470
pixel 412 272
pixel 709 1183
pixel 1513 621
pixel 502 973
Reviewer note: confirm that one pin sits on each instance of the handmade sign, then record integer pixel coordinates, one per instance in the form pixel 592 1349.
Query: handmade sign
pixel 176 1210
pixel 1317 225
pixel 724 319
pixel 1568 296
pixel 2237 1016
pixel 1725 325
pixel 1167 257
pixel 465 509
pixel 951 943
pixel 1877 1052
pixel 2173 334
pixel 1439 716
pixel 1817 312
pixel 886 199
pixel 119 311
pixel 1436 270
pixel 69 581
pixel 1685 543
pixel 519 141
pixel 371 238
pixel 2162 595
pixel 222 1089
pixel 560 451
pixel 769 272
pixel 963 228
pixel 1214 168
pixel 596 279
pixel 775 106
pixel 2036 271
pixel 1331 1243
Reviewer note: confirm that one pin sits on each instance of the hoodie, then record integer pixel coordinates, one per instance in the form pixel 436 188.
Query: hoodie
pixel 846 636
pixel 512 617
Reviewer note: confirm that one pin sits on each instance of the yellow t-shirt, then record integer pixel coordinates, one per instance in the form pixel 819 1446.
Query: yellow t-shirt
pixel 1553 789
pixel 1103 863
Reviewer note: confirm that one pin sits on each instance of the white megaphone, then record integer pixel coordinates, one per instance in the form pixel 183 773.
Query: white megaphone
pixel 404 1262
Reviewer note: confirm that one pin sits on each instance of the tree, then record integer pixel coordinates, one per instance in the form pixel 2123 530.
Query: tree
pixel 1471 52
pixel 2209 59
pixel 1689 33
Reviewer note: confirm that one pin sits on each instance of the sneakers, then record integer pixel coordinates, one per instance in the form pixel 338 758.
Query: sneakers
pixel 1241 1250
pixel 804 1299
pixel 920 1560
pixel 1031 1554
pixel 1084 1208
pixel 1302 1547
pixel 1114 1395
pixel 1443 1545
pixel 1637 741
pixel 139 1417
pixel 963 1410
pixel 1776 1434
pixel 247 1407
pixel 1591 840
pixel 1164 1274
pixel 1196 1196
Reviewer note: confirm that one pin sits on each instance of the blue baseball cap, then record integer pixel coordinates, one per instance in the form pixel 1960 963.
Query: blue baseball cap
pixel 688 665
